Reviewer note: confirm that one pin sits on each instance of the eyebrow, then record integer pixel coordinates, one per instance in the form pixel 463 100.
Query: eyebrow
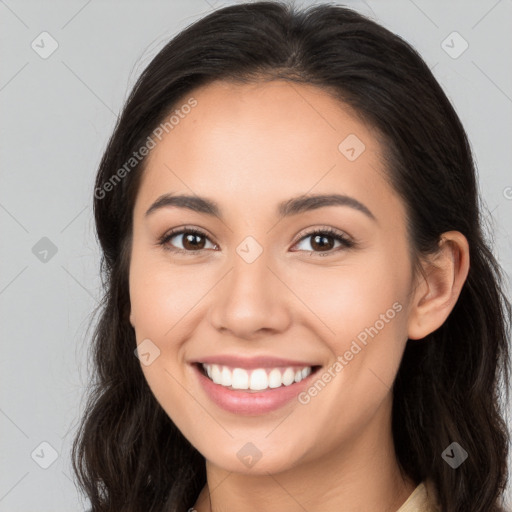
pixel 287 208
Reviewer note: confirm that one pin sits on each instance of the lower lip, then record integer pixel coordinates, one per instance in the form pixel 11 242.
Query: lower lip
pixel 251 403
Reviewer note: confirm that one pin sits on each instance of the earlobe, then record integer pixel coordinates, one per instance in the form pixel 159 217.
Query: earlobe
pixel 440 287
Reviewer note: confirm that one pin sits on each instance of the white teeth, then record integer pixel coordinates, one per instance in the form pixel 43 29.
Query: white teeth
pixel 305 372
pixel 240 378
pixel 226 377
pixel 257 379
pixel 274 378
pixel 288 376
pixel 216 374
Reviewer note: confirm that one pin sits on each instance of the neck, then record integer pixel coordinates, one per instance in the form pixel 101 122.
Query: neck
pixel 362 474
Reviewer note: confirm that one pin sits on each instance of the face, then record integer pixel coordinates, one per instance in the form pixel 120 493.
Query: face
pixel 304 301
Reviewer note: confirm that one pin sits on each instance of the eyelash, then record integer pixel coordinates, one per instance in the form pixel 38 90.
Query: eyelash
pixel 332 233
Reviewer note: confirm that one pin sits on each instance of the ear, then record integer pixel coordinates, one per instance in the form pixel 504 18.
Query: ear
pixel 132 319
pixel 438 289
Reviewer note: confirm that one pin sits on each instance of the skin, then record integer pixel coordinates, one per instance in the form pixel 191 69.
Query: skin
pixel 249 147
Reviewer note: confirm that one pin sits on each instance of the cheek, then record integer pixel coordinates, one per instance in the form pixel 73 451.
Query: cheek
pixel 158 301
pixel 155 311
pixel 349 297
pixel 364 309
pixel 163 301
pixel 160 294
pixel 360 307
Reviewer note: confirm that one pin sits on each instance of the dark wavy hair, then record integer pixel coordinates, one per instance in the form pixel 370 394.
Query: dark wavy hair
pixel 128 455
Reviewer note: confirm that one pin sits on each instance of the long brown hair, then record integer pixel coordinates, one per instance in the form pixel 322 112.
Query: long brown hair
pixel 128 455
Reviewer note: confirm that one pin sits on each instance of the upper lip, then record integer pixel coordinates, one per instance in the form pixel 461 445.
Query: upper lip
pixel 251 362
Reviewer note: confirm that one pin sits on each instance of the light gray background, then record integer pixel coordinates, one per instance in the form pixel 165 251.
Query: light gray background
pixel 57 114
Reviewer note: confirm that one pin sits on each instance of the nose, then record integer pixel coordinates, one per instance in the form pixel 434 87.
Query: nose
pixel 251 300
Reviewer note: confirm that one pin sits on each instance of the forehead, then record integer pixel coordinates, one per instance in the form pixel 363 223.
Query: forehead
pixel 266 118
pixel 264 141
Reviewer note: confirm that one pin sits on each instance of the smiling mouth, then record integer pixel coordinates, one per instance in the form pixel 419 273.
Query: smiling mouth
pixel 257 379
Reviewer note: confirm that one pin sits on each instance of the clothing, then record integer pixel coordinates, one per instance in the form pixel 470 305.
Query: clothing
pixel 422 499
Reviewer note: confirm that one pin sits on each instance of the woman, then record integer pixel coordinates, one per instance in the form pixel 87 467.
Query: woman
pixel 301 309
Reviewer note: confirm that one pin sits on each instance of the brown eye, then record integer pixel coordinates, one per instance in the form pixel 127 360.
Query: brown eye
pixel 192 240
pixel 323 240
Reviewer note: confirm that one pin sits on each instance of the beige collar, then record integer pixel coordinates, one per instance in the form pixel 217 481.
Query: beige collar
pixel 422 499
